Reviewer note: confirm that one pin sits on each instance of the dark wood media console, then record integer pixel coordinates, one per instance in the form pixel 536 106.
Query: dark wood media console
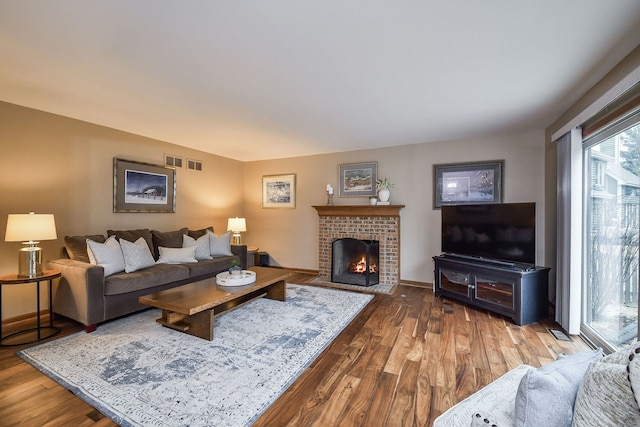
pixel 518 291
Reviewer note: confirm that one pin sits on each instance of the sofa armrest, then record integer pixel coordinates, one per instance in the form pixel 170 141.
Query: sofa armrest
pixel 80 291
pixel 241 252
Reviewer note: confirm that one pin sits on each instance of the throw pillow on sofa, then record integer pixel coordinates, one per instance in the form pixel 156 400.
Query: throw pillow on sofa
pixel 167 239
pixel 203 250
pixel 604 398
pixel 133 235
pixel 136 255
pixel 633 369
pixel 220 245
pixel 199 233
pixel 108 255
pixel 546 395
pixel 176 255
pixel 76 246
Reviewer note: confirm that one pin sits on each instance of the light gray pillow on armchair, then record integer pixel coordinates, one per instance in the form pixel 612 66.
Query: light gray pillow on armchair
pixel 546 395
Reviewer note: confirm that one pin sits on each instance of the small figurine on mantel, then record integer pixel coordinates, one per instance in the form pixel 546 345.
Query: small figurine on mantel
pixel 329 194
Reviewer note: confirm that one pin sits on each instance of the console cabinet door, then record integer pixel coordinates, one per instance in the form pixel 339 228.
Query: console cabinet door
pixel 499 292
pixel 454 282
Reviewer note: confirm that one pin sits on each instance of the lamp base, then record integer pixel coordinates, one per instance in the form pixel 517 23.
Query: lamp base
pixel 30 262
pixel 235 239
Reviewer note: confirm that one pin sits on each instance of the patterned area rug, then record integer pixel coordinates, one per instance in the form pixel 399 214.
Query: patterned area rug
pixel 380 288
pixel 139 373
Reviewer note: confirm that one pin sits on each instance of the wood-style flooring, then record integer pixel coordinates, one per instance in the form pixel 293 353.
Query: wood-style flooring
pixel 404 360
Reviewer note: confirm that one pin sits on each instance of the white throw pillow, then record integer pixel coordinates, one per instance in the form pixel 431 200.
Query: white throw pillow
pixel 220 245
pixel 108 255
pixel 176 255
pixel 203 251
pixel 136 255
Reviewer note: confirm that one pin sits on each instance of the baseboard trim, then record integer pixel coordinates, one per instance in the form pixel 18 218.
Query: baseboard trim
pixel 24 317
pixel 296 270
pixel 416 284
pixel 413 283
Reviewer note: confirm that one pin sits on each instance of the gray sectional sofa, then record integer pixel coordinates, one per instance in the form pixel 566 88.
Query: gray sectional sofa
pixel 85 295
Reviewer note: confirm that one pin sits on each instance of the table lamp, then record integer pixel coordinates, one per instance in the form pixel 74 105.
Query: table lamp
pixel 236 225
pixel 30 229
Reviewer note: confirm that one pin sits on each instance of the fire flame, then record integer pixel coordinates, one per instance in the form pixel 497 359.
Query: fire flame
pixel 361 266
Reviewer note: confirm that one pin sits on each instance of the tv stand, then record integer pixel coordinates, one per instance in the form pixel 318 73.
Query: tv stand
pixel 480 259
pixel 515 290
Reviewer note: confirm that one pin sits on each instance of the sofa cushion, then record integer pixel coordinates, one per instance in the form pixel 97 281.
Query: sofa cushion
pixel 208 266
pixel 604 398
pixel 167 239
pixel 176 255
pixel 76 246
pixel 203 251
pixel 220 245
pixel 199 233
pixel 159 274
pixel 136 255
pixel 108 255
pixel 546 395
pixel 133 235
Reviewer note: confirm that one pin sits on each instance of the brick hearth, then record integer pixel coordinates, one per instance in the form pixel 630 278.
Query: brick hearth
pixel 380 223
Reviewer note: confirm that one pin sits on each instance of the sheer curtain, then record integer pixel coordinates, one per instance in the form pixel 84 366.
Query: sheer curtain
pixel 569 222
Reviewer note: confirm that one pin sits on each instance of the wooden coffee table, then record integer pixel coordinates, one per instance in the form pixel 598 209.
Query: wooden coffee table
pixel 191 308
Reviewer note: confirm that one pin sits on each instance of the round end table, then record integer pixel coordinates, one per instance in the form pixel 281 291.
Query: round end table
pixel 42 332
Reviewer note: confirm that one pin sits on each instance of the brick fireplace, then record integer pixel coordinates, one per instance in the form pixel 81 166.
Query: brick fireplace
pixel 381 223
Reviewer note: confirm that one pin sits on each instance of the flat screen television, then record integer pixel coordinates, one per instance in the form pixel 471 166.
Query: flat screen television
pixel 505 231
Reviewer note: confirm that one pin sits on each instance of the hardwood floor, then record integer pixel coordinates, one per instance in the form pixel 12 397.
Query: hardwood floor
pixel 405 359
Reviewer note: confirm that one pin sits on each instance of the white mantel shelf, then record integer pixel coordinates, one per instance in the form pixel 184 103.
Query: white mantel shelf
pixel 359 210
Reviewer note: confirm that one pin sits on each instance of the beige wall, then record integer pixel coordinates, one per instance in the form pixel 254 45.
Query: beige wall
pixel 52 164
pixel 291 236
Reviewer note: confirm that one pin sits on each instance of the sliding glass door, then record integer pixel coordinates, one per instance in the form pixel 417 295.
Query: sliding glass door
pixel 612 190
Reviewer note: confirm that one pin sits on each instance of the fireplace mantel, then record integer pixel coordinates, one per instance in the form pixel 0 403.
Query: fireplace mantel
pixel 359 210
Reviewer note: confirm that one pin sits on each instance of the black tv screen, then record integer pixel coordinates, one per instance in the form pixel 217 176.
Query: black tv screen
pixel 505 231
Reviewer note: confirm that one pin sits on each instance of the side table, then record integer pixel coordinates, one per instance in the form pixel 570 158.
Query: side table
pixel 251 255
pixel 13 279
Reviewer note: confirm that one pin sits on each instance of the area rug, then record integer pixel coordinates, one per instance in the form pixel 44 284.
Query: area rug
pixel 139 373
pixel 380 288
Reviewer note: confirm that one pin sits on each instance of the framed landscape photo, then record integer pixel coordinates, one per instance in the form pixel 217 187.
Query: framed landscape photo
pixel 143 187
pixel 358 179
pixel 279 191
pixel 468 183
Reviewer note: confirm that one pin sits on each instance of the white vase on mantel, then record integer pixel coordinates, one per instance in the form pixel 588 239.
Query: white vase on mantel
pixel 384 194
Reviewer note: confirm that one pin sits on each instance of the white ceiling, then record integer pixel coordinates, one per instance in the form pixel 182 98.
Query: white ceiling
pixel 253 80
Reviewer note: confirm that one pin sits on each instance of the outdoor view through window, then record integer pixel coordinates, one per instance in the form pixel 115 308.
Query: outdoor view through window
pixel 610 286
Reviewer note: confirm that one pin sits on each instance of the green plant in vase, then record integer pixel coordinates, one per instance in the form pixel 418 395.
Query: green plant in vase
pixel 235 267
pixel 383 185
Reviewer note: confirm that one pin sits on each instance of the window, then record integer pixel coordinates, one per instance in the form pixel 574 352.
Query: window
pixel 610 280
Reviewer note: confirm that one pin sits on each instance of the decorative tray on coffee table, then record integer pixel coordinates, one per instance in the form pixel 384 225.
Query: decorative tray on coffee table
pixel 243 278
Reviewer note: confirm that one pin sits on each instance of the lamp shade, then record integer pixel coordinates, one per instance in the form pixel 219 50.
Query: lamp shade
pixel 30 227
pixel 237 224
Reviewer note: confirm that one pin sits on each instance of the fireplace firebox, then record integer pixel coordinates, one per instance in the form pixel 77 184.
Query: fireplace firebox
pixel 355 261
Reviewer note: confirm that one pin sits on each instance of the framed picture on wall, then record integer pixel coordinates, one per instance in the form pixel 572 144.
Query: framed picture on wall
pixel 358 179
pixel 467 183
pixel 143 187
pixel 279 191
